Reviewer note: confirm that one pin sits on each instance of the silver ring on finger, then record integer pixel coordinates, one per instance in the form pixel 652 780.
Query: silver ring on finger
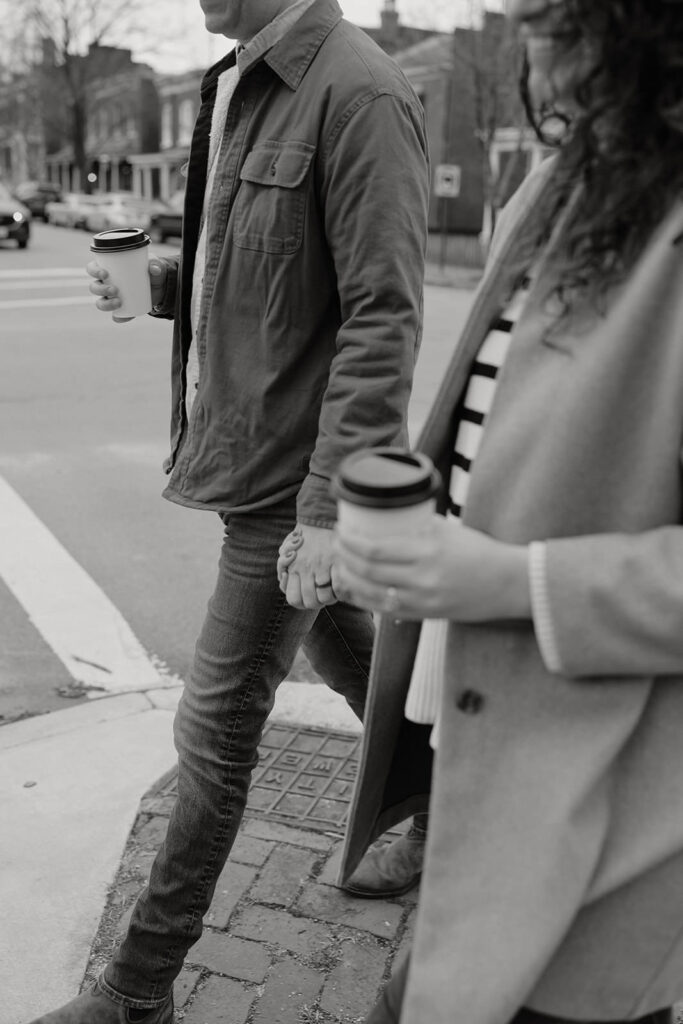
pixel 391 600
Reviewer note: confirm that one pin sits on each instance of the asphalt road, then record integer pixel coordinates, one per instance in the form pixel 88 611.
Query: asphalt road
pixel 84 407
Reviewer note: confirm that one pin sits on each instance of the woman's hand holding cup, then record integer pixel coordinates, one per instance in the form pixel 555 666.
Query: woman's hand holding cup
pixel 394 554
pixel 447 571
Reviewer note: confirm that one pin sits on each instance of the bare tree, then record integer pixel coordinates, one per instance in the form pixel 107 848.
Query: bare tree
pixel 21 131
pixel 444 15
pixel 485 59
pixel 489 56
pixel 53 41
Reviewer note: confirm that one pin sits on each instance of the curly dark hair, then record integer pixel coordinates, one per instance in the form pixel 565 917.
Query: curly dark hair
pixel 625 143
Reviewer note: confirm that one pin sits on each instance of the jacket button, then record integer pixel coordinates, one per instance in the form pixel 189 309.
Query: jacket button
pixel 470 702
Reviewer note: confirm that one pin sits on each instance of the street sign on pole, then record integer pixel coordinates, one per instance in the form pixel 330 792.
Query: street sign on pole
pixel 446 186
pixel 447 181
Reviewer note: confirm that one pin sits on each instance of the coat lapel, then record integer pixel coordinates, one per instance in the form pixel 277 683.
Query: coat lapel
pixel 396 642
pixel 493 292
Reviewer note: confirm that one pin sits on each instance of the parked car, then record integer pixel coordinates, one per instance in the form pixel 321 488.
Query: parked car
pixel 70 210
pixel 168 223
pixel 15 219
pixel 120 210
pixel 35 194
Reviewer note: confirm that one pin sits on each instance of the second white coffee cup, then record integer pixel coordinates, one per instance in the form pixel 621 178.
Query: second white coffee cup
pixel 385 492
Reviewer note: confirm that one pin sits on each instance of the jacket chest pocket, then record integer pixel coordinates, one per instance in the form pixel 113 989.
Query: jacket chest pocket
pixel 271 201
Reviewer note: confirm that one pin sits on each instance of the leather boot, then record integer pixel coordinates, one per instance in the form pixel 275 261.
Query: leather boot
pixel 390 869
pixel 93 1007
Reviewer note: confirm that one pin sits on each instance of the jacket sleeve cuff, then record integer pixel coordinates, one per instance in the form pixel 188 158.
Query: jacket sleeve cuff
pixel 315 506
pixel 165 309
pixel 540 607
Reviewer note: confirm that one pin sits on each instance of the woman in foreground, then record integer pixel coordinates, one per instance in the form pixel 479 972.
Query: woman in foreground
pixel 549 673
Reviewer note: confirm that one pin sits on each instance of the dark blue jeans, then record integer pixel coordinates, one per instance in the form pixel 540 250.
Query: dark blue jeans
pixel 246 647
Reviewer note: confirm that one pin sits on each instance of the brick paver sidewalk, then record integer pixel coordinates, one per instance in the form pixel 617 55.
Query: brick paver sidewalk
pixel 282 944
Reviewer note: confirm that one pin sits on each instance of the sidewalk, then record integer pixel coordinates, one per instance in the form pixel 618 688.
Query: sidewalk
pixel 282 944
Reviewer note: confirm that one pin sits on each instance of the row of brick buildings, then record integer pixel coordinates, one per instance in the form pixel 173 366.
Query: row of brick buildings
pixel 139 124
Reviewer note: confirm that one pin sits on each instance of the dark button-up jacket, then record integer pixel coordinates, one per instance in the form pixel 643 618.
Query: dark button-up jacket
pixel 312 296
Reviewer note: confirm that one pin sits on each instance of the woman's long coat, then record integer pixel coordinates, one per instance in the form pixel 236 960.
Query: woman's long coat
pixel 554 869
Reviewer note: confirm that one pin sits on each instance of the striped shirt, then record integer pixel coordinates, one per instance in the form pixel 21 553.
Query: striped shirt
pixel 422 702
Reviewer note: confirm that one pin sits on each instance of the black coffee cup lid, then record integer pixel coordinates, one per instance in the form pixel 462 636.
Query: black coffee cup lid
pixel 119 240
pixel 386 478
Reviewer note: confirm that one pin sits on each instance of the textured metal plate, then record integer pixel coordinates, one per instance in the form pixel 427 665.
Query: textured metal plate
pixel 305 776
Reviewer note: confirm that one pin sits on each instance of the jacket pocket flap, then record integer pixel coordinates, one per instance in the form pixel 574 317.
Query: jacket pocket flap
pixel 285 165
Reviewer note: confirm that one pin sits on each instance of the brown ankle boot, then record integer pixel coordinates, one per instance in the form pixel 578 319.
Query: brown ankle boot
pixel 93 1007
pixel 390 869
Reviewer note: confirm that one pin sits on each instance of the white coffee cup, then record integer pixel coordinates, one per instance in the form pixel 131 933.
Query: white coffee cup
pixel 385 492
pixel 123 254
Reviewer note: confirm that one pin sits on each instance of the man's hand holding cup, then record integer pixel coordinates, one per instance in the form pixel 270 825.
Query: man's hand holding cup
pixel 125 279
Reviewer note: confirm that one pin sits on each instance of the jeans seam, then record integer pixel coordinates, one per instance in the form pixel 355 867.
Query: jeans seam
pixel 352 659
pixel 212 853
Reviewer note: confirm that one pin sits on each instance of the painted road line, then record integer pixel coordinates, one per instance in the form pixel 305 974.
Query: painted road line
pixel 74 300
pixel 22 285
pixel 38 272
pixel 78 621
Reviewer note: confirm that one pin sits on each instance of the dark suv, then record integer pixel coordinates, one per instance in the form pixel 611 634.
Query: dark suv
pixel 35 194
pixel 15 219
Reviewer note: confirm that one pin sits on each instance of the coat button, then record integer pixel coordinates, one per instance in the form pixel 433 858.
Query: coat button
pixel 470 702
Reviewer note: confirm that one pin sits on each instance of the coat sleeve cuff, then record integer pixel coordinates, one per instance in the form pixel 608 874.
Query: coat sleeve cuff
pixel 540 607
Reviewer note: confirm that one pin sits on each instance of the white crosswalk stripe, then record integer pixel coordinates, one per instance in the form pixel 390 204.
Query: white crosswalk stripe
pixel 81 625
pixel 38 273
pixel 51 282
pixel 43 282
pixel 62 300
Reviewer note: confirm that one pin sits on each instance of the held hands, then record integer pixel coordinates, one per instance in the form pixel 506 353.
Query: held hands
pixel 449 572
pixel 109 299
pixel 304 569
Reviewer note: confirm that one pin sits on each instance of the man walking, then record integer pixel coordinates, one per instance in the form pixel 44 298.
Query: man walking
pixel 297 306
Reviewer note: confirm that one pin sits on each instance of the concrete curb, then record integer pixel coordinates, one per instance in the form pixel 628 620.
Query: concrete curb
pixel 71 787
pixel 72 784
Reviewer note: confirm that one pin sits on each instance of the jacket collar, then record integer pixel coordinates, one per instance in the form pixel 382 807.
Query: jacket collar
pixel 291 57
